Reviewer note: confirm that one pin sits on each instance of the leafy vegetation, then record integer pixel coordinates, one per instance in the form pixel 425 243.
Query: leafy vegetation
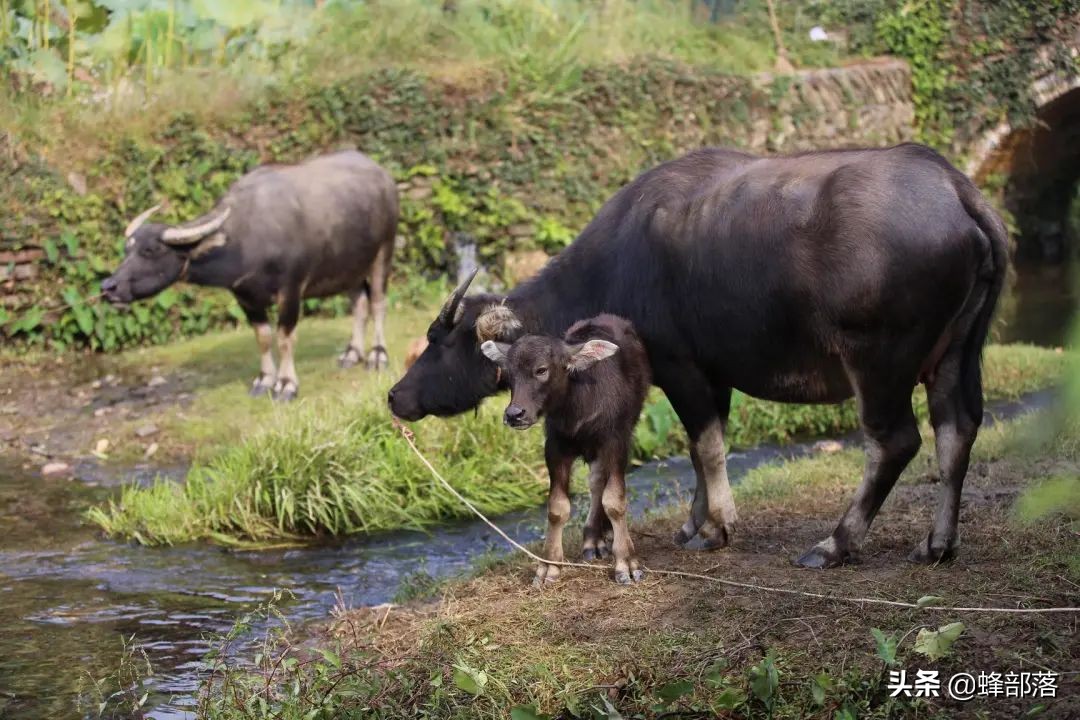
pixel 335 465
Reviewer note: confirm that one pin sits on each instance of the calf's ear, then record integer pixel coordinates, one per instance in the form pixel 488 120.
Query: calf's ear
pixel 583 356
pixel 495 352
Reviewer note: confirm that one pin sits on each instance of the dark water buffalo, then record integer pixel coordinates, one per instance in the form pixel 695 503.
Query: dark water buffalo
pixel 282 233
pixel 806 279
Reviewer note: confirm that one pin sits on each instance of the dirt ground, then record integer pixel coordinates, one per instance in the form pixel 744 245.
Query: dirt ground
pixel 586 635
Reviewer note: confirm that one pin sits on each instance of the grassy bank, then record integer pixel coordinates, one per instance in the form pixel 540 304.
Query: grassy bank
pixel 492 646
pixel 333 464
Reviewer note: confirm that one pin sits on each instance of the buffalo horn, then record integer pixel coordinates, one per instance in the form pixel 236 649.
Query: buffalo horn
pixel 185 235
pixel 138 222
pixel 447 314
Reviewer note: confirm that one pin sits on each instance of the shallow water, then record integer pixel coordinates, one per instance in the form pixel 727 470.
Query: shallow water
pixel 68 598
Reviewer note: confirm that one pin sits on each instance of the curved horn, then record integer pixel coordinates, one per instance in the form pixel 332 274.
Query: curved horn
pixel 189 234
pixel 138 222
pixel 449 310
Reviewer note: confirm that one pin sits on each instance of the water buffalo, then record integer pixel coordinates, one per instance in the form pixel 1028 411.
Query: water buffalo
pixel 806 278
pixel 590 409
pixel 282 233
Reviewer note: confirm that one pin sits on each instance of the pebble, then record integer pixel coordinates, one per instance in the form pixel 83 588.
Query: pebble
pixel 101 411
pixel 145 431
pixel 150 450
pixel 155 381
pixel 101 447
pixel 55 468
pixel 828 447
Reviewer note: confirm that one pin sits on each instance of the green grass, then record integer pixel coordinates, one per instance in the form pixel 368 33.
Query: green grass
pixel 332 464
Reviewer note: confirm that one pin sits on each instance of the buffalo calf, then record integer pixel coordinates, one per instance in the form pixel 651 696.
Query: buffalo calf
pixel 590 405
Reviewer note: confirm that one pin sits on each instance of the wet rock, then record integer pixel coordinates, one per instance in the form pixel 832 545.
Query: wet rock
pixel 101 412
pixel 828 447
pixel 156 381
pixel 150 450
pixel 101 447
pixel 145 431
pixel 55 469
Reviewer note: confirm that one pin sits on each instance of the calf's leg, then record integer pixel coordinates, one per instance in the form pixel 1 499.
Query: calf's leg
pixel 287 385
pixel 627 569
pixel 354 351
pixel 596 536
pixel 559 464
pixel 264 336
pixel 377 358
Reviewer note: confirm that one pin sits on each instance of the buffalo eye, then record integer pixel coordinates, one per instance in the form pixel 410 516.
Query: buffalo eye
pixel 541 372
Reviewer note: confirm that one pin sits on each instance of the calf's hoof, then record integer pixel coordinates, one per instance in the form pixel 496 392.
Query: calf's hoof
pixel 285 391
pixel 929 552
pixel 826 554
pixel 716 538
pixel 681 537
pixel 377 358
pixel 546 574
pixel 349 358
pixel 588 554
pixel 625 578
pixel 261 386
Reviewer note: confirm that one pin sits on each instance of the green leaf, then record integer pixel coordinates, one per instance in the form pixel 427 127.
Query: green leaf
pixel 71 243
pixel 674 691
pixel 527 712
pixel 470 680
pixel 730 699
pixel 886 646
pixel 52 254
pixel 764 680
pixel 611 712
pixel 936 644
pixel 929 601
pixel 820 687
pixel 331 657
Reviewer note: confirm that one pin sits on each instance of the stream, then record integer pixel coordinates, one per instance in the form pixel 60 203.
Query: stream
pixel 69 598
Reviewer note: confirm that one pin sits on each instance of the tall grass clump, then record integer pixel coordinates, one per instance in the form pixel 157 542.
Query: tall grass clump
pixel 334 468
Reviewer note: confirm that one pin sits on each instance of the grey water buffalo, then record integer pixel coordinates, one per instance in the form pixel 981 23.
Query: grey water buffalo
pixel 590 404
pixel 281 234
pixel 805 278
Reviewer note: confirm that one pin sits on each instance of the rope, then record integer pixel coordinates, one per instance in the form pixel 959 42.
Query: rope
pixel 409 438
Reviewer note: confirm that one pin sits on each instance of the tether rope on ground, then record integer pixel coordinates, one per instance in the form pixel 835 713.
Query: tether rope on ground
pixel 409 437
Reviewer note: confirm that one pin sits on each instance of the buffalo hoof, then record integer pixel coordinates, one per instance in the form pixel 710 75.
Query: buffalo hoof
pixel 378 359
pixel 260 386
pixel 720 539
pixel 588 554
pixel 929 552
pixel 546 574
pixel 625 578
pixel 638 575
pixel 285 391
pixel 681 538
pixel 349 358
pixel 825 555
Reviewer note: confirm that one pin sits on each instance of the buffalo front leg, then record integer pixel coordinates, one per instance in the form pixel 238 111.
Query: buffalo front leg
pixel 264 336
pixel 559 464
pixel 891 441
pixel 955 427
pixel 354 351
pixel 597 534
pixel 703 409
pixel 377 358
pixel 287 386
pixel 627 569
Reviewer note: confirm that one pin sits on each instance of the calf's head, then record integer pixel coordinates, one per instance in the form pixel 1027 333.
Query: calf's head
pixel 156 255
pixel 451 375
pixel 540 370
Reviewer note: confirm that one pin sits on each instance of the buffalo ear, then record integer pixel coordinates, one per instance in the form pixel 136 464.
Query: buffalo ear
pixel 495 352
pixel 497 322
pixel 584 356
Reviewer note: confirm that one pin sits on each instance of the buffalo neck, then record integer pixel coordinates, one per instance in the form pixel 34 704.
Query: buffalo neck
pixel 570 287
pixel 219 267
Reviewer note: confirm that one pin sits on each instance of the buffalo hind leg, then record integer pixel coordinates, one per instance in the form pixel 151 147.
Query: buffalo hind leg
pixel 955 428
pixel 354 351
pixel 597 533
pixel 264 336
pixel 288 385
pixel 891 441
pixel 559 464
pixel 377 358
